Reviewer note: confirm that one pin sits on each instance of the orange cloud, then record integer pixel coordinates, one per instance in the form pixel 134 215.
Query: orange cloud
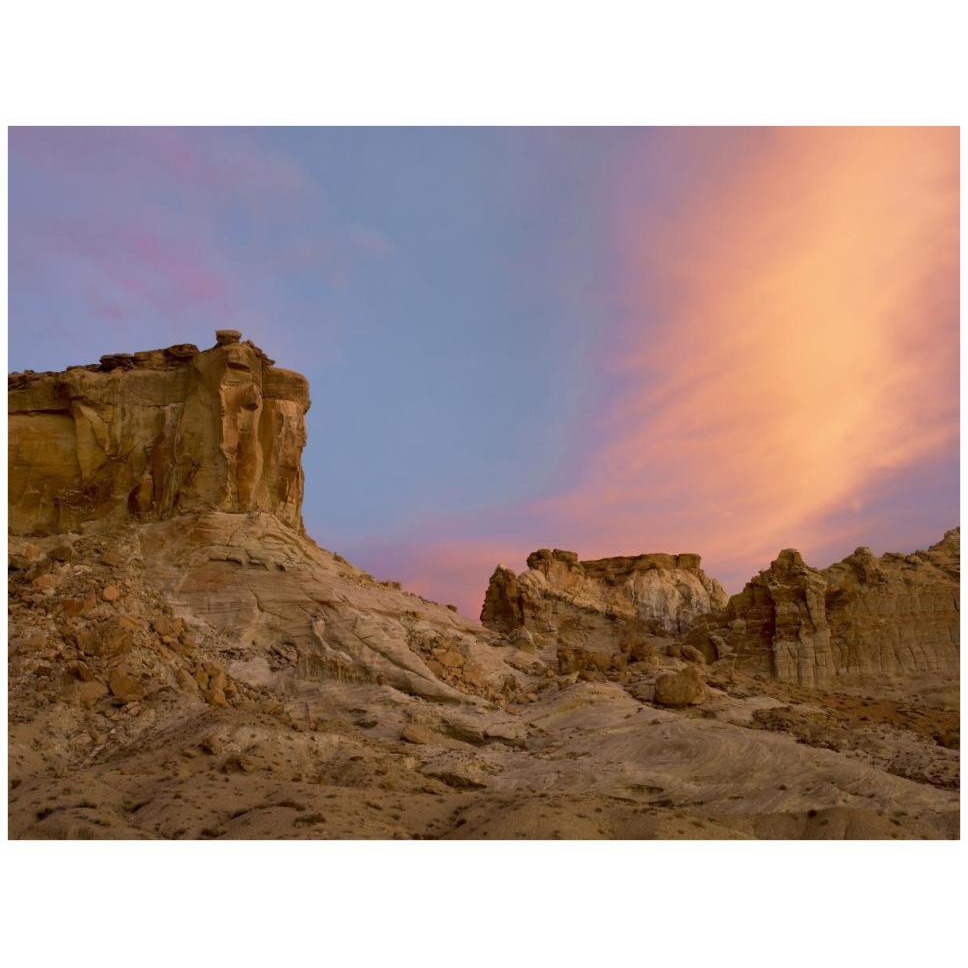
pixel 808 347
pixel 790 348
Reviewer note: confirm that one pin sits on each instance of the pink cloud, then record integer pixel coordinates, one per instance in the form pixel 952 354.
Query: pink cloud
pixel 790 348
pixel 809 349
pixel 127 270
pixel 208 162
pixel 450 571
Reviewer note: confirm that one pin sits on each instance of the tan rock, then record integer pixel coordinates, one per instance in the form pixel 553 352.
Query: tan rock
pixel 156 436
pixel 30 643
pixel 111 593
pixel 88 693
pixel 108 638
pixel 684 688
pixel 81 670
pixel 78 606
pixel 212 681
pixel 596 611
pixel 417 734
pixel 665 592
pixel 864 616
pixel 165 626
pixel 46 581
pixel 186 682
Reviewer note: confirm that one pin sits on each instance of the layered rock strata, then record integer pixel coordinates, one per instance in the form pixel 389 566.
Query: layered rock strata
pixel 862 617
pixel 148 435
pixel 662 592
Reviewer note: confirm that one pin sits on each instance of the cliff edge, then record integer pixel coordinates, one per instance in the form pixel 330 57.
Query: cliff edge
pixel 157 433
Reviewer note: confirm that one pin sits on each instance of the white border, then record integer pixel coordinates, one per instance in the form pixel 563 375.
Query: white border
pixel 511 63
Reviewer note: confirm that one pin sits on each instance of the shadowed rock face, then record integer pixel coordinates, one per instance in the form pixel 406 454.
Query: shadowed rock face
pixel 158 433
pixel 862 617
pixel 662 592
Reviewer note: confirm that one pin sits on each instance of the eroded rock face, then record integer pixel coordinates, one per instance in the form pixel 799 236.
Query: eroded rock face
pixel 864 616
pixel 299 614
pixel 190 664
pixel 154 434
pixel 897 613
pixel 662 592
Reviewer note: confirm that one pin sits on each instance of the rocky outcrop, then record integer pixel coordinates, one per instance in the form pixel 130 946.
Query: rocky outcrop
pixel 191 462
pixel 152 434
pixel 660 592
pixel 897 613
pixel 603 619
pixel 864 616
pixel 185 662
pixel 300 614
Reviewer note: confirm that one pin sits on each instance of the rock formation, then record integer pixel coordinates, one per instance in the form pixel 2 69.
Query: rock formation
pixel 663 592
pixel 594 618
pixel 186 662
pixel 863 617
pixel 154 434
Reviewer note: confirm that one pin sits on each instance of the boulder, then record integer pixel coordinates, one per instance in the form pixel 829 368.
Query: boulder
pixel 684 688
pixel 125 686
pixel 107 639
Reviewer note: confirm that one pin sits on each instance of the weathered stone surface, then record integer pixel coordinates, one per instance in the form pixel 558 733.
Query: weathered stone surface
pixel 862 617
pixel 125 687
pixel 154 434
pixel 663 592
pixel 684 688
pixel 897 613
pixel 260 584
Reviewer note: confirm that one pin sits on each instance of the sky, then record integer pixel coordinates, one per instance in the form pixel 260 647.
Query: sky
pixel 726 341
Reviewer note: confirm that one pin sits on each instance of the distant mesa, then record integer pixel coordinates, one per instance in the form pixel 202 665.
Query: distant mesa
pixel 660 591
pixel 862 617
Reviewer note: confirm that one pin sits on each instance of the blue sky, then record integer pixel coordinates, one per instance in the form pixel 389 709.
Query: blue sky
pixel 605 339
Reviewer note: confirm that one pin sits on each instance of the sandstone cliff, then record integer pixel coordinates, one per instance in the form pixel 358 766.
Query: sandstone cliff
pixel 863 617
pixel 663 592
pixel 596 619
pixel 156 433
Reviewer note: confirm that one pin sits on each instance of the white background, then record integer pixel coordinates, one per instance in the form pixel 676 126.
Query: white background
pixel 347 904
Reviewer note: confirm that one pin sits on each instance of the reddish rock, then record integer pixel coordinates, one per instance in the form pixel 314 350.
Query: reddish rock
pixel 125 687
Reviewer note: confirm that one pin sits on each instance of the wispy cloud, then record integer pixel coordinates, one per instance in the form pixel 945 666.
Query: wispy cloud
pixel 772 341
pixel 807 349
pixel 159 232
pixel 789 351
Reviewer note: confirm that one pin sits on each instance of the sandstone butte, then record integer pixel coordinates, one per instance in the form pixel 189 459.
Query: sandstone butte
pixel 186 662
